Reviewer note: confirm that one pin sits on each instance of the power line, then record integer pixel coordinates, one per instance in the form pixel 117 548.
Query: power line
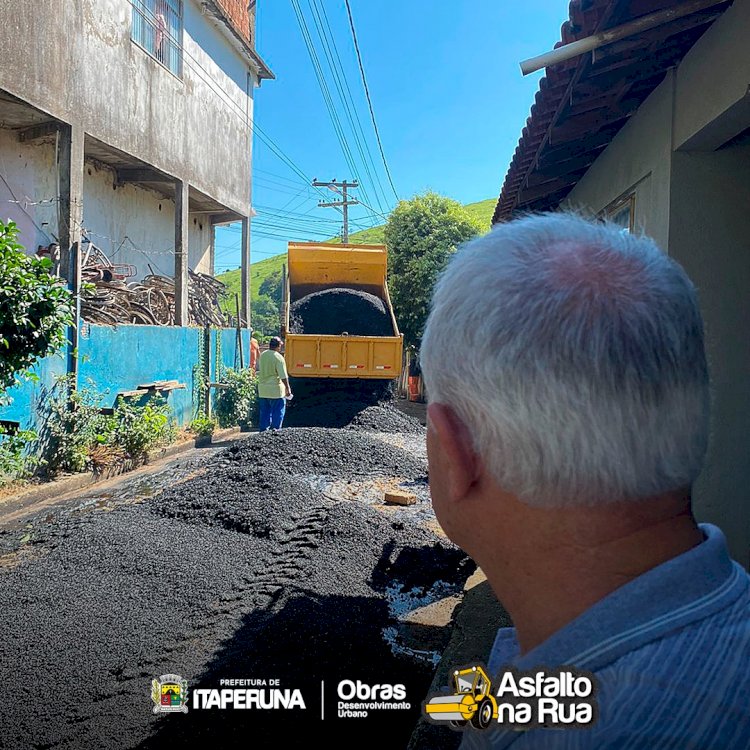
pixel 344 204
pixel 339 76
pixel 323 85
pixel 369 100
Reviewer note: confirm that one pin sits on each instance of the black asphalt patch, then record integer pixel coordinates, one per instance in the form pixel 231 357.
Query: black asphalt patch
pixel 244 571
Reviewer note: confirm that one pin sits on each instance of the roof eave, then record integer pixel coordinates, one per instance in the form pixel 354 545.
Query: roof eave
pixel 211 9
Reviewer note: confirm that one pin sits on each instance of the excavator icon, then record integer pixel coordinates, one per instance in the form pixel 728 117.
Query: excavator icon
pixel 472 701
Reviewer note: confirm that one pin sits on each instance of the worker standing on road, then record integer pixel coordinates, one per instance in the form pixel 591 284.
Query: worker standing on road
pixel 254 353
pixel 273 386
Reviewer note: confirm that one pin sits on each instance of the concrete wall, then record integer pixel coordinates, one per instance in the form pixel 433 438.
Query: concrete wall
pixel 121 358
pixel 135 225
pixel 28 172
pixel 75 61
pixel 638 160
pixel 711 98
pixel 695 201
pixel 145 218
pixel 710 237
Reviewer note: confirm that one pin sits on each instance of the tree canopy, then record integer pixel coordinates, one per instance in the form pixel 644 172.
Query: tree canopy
pixel 35 308
pixel 421 235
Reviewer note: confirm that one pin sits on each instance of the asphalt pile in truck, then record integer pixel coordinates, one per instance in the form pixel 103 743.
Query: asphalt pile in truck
pixel 332 312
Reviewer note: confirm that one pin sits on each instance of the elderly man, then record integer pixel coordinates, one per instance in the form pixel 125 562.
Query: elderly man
pixel 562 447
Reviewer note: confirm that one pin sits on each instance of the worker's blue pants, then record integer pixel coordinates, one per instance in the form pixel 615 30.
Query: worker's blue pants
pixel 271 413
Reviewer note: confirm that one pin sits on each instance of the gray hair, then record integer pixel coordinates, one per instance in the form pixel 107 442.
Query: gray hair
pixel 573 352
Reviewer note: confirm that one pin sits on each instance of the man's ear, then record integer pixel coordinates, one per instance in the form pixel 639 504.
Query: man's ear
pixel 455 450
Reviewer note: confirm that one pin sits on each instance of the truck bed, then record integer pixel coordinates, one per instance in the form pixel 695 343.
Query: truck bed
pixel 314 267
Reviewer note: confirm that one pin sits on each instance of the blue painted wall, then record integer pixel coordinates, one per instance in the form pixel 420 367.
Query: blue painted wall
pixel 228 349
pixel 122 358
pixel 26 396
pixel 114 359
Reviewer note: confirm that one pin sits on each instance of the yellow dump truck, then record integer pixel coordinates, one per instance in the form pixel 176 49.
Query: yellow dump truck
pixel 315 268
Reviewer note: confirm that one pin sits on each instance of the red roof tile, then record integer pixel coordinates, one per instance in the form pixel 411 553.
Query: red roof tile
pixel 582 103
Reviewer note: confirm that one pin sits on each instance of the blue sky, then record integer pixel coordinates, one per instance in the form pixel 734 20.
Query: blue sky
pixel 448 96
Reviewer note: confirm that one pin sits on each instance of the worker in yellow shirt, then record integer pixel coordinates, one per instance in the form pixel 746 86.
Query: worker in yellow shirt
pixel 273 386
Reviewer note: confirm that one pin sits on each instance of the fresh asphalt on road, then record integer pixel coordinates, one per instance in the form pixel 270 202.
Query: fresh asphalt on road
pixel 260 561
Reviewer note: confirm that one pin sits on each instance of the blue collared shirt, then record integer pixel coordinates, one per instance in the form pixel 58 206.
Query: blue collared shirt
pixel 670 651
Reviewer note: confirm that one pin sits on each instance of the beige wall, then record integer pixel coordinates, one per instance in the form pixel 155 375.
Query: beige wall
pixel 638 160
pixel 710 237
pixel 694 201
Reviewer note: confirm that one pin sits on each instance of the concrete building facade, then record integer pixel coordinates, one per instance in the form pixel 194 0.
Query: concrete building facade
pixel 129 123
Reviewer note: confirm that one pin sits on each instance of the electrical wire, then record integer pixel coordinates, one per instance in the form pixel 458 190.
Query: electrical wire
pixel 369 100
pixel 324 89
pixel 328 41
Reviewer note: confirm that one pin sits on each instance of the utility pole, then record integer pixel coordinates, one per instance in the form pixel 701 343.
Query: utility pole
pixel 339 187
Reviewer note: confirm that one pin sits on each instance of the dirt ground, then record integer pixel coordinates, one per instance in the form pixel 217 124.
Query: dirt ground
pixel 273 559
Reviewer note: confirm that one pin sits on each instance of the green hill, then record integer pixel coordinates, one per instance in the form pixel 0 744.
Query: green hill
pixel 258 272
pixel 482 210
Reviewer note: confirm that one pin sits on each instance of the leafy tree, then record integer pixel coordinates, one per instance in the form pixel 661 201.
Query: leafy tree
pixel 271 287
pixel 421 235
pixel 264 317
pixel 35 308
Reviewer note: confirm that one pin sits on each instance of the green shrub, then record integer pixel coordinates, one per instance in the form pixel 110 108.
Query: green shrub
pixel 139 429
pixel 73 425
pixel 35 308
pixel 239 401
pixel 75 428
pixel 203 426
pixel 16 460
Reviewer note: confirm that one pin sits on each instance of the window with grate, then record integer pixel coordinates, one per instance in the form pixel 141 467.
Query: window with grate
pixel 157 28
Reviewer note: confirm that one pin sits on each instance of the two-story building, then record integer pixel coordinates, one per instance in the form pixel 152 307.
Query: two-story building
pixel 127 125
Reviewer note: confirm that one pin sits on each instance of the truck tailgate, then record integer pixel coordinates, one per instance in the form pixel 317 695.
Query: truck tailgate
pixel 343 356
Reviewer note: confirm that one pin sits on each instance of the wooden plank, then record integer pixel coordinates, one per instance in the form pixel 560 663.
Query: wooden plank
pixel 136 392
pixel 398 497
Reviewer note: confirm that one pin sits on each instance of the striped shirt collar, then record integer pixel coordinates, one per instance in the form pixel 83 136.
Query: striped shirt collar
pixel 686 588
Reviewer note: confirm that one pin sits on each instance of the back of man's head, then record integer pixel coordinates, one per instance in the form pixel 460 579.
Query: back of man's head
pixel 584 379
pixel 274 343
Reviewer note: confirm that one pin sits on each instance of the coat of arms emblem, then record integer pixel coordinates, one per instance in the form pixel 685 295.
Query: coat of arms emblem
pixel 169 694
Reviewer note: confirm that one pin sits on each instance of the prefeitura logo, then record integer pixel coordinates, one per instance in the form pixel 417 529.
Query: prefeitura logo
pixel 169 694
